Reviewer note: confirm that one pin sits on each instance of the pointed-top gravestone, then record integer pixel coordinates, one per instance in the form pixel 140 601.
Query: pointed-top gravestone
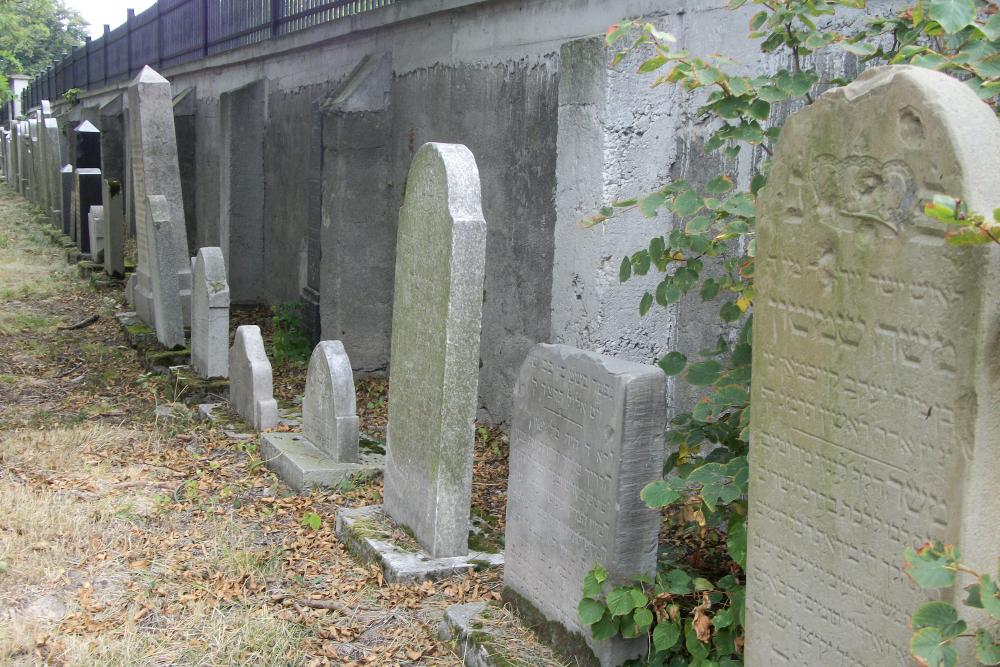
pixel 251 384
pixel 329 409
pixel 88 146
pixel 875 415
pixel 210 314
pixel 153 152
pixel 434 372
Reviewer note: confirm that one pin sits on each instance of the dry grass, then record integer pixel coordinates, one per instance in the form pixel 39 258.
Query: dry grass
pixel 131 539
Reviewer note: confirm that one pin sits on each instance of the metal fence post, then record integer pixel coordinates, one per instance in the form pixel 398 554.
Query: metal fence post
pixel 129 18
pixel 275 17
pixel 107 41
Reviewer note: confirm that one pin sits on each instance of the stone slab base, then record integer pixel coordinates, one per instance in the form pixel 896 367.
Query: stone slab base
pixel 399 565
pixel 66 242
pixel 469 635
pixel 101 280
pixel 188 388
pixel 303 466
pixel 74 256
pixel 87 268
pixel 136 332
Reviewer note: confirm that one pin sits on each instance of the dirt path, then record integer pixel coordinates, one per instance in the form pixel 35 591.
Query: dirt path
pixel 128 539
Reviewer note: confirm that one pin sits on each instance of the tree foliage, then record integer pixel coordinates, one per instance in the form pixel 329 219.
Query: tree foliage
pixel 35 33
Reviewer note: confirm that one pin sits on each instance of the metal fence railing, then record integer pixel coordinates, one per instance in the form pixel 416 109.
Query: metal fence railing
pixel 172 32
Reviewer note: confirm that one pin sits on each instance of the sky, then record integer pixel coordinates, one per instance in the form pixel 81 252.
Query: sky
pixel 112 12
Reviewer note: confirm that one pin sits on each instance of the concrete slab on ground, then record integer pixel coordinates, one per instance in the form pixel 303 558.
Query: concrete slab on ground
pixel 303 466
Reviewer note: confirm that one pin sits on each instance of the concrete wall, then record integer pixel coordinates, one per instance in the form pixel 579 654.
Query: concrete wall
pixel 299 168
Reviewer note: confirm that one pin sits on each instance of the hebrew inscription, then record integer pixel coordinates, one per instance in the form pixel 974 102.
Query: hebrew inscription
pixel 868 429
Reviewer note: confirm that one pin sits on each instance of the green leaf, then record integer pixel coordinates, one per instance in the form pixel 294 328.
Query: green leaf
pixel 665 636
pixel 688 203
pixel 717 485
pixel 656 248
pixel 625 270
pixel 592 587
pixel 641 262
pixel 660 493
pixel 859 48
pixel 653 64
pixel 643 619
pixel 987 650
pixel 952 15
pixel 677 582
pixel 698 224
pixel 606 628
pixel 673 363
pixel 931 566
pixel 989 596
pixel 703 373
pixel 621 602
pixel 650 203
pixel 719 185
pixel 932 648
pixel 312 521
pixel 736 544
pixel 709 290
pixel 934 615
pixel 730 312
pixel 760 109
pixel 645 304
pixel 590 611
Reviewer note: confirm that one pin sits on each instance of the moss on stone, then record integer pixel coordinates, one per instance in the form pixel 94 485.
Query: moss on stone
pixel 569 645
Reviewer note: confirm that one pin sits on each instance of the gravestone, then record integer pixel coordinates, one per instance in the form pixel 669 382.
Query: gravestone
pixel 587 435
pixel 87 146
pixel 329 409
pixel 209 314
pixel 86 193
pixel 325 454
pixel 875 369
pixel 113 197
pixel 67 200
pixel 95 218
pixel 53 160
pixel 34 187
pixel 434 362
pixel 153 154
pixel 251 389
pixel 168 316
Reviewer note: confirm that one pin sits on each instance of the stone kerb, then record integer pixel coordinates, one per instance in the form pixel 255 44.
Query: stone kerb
pixel 587 436
pixel 251 389
pixel 875 373
pixel 437 314
pixel 329 409
pixel 210 314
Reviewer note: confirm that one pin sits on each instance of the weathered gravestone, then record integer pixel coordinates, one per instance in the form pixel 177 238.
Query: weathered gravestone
pixel 34 187
pixel 251 389
pixel 86 193
pixel 95 226
pixel 67 200
pixel 325 453
pixel 209 314
pixel 87 147
pixel 875 373
pixel 329 409
pixel 53 160
pixel 153 154
pixel 168 316
pixel 113 198
pixel 587 435
pixel 434 363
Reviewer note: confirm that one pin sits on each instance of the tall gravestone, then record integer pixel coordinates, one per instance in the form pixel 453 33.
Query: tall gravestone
pixel 66 180
pixel 34 187
pixel 329 409
pixel 87 146
pixel 210 314
pixel 434 363
pixel 53 165
pixel 251 383
pixel 162 251
pixel 875 373
pixel 113 198
pixel 588 434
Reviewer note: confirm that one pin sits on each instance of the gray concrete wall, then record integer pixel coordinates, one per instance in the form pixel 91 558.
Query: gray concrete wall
pixel 555 133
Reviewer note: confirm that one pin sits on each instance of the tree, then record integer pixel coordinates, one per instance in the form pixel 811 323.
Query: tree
pixel 34 34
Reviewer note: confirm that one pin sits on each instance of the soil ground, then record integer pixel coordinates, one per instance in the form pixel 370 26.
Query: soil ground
pixel 128 538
